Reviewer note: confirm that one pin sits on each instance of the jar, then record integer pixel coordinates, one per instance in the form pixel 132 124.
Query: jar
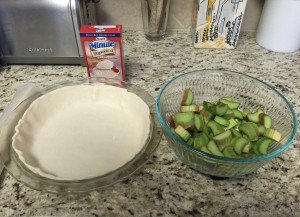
pixel 155 17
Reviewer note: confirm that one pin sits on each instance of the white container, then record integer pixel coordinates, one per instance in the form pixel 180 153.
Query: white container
pixel 279 26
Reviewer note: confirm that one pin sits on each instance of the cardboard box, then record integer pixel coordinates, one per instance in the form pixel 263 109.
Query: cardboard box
pixel 103 53
pixel 217 23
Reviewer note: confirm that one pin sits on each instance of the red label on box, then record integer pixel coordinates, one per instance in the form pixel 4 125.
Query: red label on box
pixel 102 47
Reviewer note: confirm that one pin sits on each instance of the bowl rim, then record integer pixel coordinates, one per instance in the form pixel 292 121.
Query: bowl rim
pixel 220 158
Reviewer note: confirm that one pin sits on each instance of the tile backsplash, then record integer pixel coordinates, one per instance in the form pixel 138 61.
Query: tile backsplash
pixel 128 13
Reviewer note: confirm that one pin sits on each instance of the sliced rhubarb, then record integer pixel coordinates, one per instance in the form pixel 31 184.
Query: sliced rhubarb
pixel 229 152
pixel 222 129
pixel 189 108
pixel 265 120
pixel 207 116
pixel 185 119
pixel 199 122
pixel 229 114
pixel 232 123
pixel 249 130
pixel 239 144
pixel 228 98
pixel 272 134
pixel 235 133
pixel 222 121
pixel 221 109
pixel 231 104
pixel 213 148
pixel 261 129
pixel 182 133
pixel 205 149
pixel 188 97
pixel 254 117
pixel 200 140
pixel 191 141
pixel 246 111
pixel 262 145
pixel 238 114
pixel 215 127
pixel 223 138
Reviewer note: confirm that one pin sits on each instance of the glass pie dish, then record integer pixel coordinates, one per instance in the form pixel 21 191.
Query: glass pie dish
pixel 18 168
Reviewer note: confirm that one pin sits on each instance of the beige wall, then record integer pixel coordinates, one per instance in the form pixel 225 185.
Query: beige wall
pixel 128 13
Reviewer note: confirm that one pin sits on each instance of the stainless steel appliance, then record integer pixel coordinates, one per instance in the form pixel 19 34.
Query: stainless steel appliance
pixel 43 31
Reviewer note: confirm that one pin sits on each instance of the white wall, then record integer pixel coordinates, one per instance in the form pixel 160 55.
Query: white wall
pixel 128 13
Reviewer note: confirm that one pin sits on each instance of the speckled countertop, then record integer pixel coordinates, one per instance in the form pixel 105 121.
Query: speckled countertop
pixel 164 186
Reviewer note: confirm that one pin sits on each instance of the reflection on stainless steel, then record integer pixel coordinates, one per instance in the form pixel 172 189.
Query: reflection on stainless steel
pixel 42 31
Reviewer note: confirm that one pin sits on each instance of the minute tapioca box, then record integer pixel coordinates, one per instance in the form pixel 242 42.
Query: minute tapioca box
pixel 102 48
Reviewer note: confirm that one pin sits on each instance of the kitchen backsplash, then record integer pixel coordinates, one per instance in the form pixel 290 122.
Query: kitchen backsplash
pixel 128 13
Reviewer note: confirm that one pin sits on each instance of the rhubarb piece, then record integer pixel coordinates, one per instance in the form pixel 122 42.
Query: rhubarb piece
pixel 223 138
pixel 209 107
pixel 211 135
pixel 213 148
pixel 188 97
pixel 207 116
pixel 182 133
pixel 261 129
pixel 222 121
pixel 221 109
pixel 256 146
pixel 183 116
pixel 229 114
pixel 249 130
pixel 262 145
pixel 238 114
pixel 205 149
pixel 255 127
pixel 199 122
pixel 231 104
pixel 246 111
pixel 229 152
pixel 200 140
pixel 272 134
pixel 189 108
pixel 215 127
pixel 206 130
pixel 191 141
pixel 235 133
pixel 265 120
pixel 238 144
pixel 232 123
pixel 228 98
pixel 260 110
pixel 185 119
pixel 254 117
pixel 204 138
pixel 200 107
pixel 246 148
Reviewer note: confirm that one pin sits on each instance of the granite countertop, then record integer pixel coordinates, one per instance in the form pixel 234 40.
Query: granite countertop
pixel 164 186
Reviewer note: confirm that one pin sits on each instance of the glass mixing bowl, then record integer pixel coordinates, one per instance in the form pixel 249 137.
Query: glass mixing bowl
pixel 210 85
